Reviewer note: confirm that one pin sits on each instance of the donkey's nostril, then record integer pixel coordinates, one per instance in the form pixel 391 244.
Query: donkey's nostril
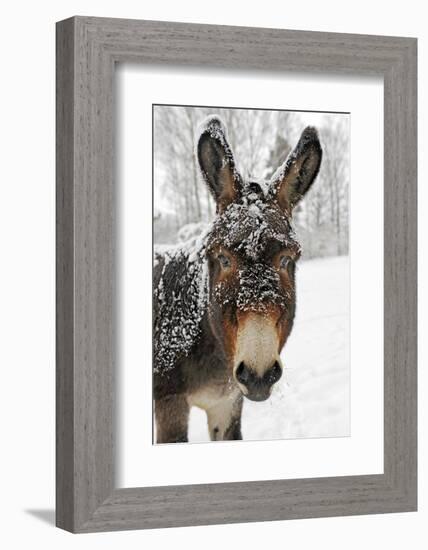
pixel 242 373
pixel 274 373
pixel 257 388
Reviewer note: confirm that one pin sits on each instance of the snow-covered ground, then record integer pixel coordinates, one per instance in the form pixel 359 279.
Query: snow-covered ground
pixel 312 397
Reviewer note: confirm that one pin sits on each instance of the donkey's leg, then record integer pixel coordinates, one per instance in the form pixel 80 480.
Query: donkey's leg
pixel 224 418
pixel 172 416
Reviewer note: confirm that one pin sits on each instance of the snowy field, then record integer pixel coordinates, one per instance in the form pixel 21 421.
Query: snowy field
pixel 312 397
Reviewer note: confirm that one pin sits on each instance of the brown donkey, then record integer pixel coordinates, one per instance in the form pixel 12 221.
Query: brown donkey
pixel 224 304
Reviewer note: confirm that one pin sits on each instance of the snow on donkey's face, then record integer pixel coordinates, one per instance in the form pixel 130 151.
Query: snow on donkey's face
pixel 251 252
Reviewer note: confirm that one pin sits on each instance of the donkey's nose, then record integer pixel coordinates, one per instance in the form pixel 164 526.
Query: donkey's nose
pixel 258 387
pixel 243 373
pixel 273 374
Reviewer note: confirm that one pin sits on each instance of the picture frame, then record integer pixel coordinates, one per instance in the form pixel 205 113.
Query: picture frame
pixel 87 51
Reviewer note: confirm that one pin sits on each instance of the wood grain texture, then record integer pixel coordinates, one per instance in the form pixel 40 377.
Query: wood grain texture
pixel 87 50
pixel 64 276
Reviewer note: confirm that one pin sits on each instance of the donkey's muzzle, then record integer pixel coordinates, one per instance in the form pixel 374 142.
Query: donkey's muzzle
pixel 258 387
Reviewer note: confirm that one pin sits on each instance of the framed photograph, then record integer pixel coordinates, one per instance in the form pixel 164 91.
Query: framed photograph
pixel 228 276
pixel 236 274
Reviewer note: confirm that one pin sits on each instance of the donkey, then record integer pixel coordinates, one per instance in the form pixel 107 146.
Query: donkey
pixel 224 304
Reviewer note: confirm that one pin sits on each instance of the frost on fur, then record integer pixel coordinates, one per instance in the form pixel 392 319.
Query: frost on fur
pixel 180 299
pixel 217 163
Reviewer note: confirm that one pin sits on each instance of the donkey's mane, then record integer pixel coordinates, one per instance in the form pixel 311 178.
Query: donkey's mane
pixel 181 298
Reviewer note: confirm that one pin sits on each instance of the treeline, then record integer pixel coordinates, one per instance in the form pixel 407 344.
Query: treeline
pixel 261 140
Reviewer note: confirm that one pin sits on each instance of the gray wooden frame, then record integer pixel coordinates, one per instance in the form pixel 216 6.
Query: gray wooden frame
pixel 87 50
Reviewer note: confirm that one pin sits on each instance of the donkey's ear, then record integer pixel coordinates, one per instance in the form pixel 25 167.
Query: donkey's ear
pixel 293 179
pixel 217 164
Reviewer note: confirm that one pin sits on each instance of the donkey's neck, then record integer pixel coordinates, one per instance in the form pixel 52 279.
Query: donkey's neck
pixel 181 299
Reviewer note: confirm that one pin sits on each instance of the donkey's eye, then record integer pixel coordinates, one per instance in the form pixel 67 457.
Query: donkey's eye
pixel 285 262
pixel 224 261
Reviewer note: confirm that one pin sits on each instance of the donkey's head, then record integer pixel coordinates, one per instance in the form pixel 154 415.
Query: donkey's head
pixel 252 253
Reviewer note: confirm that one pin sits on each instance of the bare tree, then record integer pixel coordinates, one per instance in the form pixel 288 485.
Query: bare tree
pixel 334 176
pixel 261 141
